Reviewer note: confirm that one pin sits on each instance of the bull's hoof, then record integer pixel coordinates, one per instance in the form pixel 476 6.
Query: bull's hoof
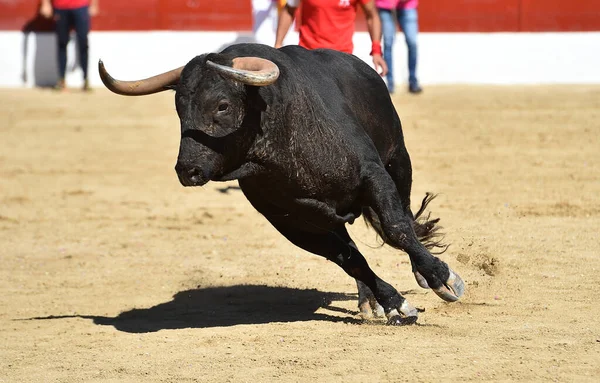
pixel 453 289
pixel 406 314
pixel 370 309
pixel 421 280
pixel 397 320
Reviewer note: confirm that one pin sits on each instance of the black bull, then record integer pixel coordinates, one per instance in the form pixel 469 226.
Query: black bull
pixel 315 141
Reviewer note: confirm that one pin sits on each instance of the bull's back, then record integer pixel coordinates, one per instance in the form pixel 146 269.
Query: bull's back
pixel 345 84
pixel 341 78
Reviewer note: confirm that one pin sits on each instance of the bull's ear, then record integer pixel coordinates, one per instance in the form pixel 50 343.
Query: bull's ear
pixel 219 58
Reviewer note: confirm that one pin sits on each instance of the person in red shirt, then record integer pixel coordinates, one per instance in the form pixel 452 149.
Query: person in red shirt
pixel 330 24
pixel 71 14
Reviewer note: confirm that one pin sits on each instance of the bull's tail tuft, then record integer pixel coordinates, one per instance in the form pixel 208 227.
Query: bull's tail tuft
pixel 427 229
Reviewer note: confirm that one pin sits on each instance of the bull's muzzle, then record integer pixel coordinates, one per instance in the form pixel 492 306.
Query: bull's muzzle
pixel 190 175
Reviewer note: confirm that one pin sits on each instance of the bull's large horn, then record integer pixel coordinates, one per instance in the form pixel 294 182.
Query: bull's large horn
pixel 249 70
pixel 150 85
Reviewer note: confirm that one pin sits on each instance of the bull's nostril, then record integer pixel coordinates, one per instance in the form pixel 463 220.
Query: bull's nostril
pixel 189 175
pixel 194 174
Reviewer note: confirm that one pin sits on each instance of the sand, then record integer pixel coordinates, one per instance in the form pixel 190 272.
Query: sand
pixel 112 271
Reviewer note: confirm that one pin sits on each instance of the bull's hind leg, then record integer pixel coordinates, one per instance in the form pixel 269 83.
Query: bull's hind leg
pixel 400 169
pixel 339 248
pixel 427 231
pixel 396 225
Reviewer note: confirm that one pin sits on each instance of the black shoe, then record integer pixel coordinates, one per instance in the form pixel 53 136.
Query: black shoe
pixel 415 89
pixel 60 85
pixel 86 86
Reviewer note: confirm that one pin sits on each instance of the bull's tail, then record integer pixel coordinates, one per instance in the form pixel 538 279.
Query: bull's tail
pixel 427 229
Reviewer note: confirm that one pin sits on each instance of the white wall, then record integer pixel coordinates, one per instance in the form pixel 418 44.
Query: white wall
pixel 476 58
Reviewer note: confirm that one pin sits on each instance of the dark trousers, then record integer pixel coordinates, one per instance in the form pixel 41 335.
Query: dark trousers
pixel 78 19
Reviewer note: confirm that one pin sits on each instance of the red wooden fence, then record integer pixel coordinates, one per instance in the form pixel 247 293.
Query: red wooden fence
pixel 228 15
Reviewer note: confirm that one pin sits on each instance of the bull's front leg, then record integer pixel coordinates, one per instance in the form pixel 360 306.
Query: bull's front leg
pixel 338 247
pixel 398 231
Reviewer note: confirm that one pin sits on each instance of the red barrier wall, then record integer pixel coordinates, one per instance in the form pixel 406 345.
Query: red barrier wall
pixel 227 15
pixel 560 15
pixel 470 15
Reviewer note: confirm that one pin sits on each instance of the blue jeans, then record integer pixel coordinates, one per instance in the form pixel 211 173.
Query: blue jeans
pixel 78 19
pixel 408 19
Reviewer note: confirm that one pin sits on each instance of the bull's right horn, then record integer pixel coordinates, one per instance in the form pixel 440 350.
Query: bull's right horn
pixel 150 85
pixel 249 70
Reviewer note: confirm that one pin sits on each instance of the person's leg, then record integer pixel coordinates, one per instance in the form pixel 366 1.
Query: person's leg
pixel 409 22
pixel 388 26
pixel 82 29
pixel 61 17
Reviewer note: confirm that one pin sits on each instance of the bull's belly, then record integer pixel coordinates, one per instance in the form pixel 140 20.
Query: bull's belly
pixel 311 210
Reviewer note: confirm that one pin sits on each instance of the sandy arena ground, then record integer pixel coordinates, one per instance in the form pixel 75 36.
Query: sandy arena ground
pixel 112 271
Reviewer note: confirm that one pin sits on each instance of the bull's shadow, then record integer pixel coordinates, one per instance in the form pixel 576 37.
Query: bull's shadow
pixel 226 306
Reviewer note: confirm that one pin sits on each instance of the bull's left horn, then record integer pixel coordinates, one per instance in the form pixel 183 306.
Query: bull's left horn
pixel 149 85
pixel 249 70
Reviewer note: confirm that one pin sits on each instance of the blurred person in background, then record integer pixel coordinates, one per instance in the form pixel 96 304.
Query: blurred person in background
pixel 330 24
pixel 69 14
pixel 405 11
pixel 265 14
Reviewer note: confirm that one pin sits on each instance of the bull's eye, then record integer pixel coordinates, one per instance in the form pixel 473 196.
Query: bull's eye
pixel 223 106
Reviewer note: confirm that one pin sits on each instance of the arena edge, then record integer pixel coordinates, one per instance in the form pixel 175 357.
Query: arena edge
pixel 445 58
